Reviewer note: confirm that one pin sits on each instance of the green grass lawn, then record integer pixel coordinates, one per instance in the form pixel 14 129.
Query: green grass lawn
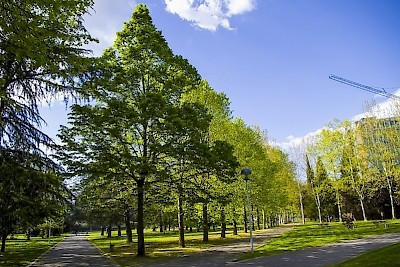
pixel 385 257
pixel 158 245
pixel 314 235
pixel 21 252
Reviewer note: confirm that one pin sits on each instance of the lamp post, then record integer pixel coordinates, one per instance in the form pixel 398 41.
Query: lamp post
pixel 246 172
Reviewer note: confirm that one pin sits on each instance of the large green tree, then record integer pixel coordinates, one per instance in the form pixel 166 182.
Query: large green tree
pixel 139 120
pixel 41 55
pixel 32 190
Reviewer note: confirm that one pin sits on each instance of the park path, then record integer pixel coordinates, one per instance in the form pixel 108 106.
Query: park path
pixel 223 254
pixel 74 251
pixel 312 257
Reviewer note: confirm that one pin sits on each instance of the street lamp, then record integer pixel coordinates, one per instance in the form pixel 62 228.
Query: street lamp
pixel 246 172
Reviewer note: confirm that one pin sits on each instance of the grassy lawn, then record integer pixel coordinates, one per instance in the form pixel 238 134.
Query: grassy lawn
pixel 314 235
pixel 158 245
pixel 21 252
pixel 385 257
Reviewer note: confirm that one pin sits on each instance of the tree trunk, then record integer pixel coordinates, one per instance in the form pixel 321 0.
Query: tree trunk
pixel 161 222
pixel 245 219
pixel 109 230
pixel 181 220
pixel 265 225
pixel 3 241
pixel 128 226
pixel 119 230
pixel 390 192
pixel 253 227
pixel 140 217
pixel 28 234
pixel 258 220
pixel 303 220
pixel 223 222
pixel 318 207
pixel 102 231
pixel 363 209
pixel 235 230
pixel 338 204
pixel 205 223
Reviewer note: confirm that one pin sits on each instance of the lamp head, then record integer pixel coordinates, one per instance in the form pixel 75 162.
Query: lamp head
pixel 246 172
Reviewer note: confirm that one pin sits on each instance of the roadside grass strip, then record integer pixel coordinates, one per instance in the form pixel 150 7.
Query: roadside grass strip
pixel 384 257
pixel 22 252
pixel 313 235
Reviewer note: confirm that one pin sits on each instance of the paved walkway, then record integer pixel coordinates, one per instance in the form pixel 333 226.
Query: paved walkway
pixel 321 256
pixel 74 251
pixel 313 257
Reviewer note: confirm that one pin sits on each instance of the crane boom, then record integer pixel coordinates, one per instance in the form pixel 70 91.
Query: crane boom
pixel 364 87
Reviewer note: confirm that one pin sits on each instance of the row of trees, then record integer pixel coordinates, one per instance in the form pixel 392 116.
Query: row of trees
pixel 353 167
pixel 152 143
pixel 40 56
pixel 157 138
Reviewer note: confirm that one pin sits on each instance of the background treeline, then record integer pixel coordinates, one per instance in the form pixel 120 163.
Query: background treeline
pixel 352 169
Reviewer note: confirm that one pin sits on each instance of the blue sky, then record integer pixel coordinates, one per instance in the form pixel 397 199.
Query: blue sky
pixel 272 58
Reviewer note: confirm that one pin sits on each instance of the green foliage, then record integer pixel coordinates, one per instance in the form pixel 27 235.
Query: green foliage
pixel 31 190
pixel 40 56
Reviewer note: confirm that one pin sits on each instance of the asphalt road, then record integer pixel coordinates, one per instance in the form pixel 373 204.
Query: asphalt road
pixel 76 251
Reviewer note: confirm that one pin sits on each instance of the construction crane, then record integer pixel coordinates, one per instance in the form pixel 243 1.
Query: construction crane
pixel 374 90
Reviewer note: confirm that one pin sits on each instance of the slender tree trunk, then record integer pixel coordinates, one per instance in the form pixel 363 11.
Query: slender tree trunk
pixel 140 217
pixel 119 230
pixel 303 220
pixel 245 219
pixel 392 202
pixel 363 209
pixel 28 234
pixel 253 227
pixel 205 223
pixel 265 225
pixel 390 192
pixel 102 231
pixel 223 222
pixel 317 201
pixel 161 222
pixel 109 230
pixel 3 241
pixel 258 219
pixel 181 220
pixel 235 231
pixel 128 226
pixel 338 204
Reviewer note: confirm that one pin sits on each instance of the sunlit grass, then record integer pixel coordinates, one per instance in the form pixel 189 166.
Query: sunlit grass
pixel 21 252
pixel 314 235
pixel 385 257
pixel 163 245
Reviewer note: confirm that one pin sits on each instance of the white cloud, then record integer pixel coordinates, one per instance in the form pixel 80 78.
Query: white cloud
pixel 105 20
pixel 209 14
